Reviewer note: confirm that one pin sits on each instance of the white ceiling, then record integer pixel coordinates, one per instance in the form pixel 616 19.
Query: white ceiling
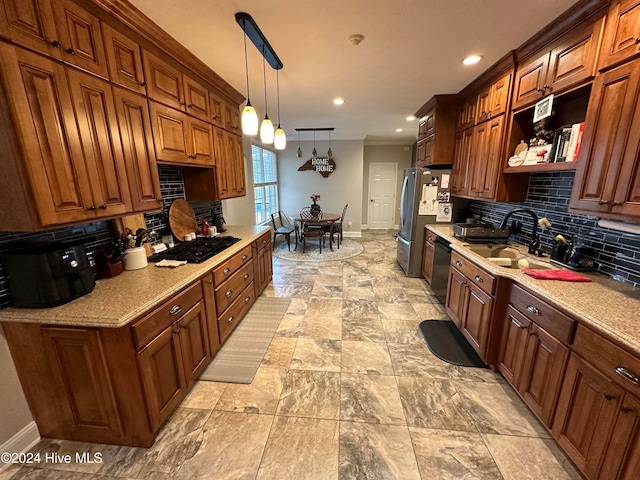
pixel 412 50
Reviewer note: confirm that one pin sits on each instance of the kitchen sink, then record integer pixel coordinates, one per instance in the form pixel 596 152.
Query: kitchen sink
pixel 502 253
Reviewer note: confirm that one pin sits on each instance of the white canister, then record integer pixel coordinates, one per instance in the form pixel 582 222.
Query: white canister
pixel 213 231
pixel 135 258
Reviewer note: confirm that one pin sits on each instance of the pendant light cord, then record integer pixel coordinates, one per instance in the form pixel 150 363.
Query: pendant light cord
pixel 246 62
pixel 278 91
pixel 264 75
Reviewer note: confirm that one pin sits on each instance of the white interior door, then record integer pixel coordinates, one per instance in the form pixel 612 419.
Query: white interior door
pixel 382 194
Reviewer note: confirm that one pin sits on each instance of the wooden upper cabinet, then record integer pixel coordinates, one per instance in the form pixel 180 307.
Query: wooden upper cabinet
pixel 169 133
pixel 232 118
pixel 81 38
pixel 461 173
pixel 607 179
pixel 30 23
pixel 238 166
pixel 427 124
pixel 196 98
pixel 466 113
pixel 163 81
pixel 98 126
pixel 139 155
pixel 622 33
pixel 124 60
pixel 436 130
pixel 492 101
pixel 201 150
pixel 51 156
pixel 570 62
pixel 217 110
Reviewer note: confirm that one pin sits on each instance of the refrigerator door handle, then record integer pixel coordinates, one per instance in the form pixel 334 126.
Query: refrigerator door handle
pixel 404 191
pixel 400 239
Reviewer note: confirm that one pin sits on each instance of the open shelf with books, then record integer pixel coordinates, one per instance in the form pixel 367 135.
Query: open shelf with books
pixel 564 126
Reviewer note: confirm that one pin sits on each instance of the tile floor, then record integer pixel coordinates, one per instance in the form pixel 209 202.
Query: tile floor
pixel 347 390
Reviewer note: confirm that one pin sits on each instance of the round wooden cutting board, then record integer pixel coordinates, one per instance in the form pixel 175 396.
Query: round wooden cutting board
pixel 182 219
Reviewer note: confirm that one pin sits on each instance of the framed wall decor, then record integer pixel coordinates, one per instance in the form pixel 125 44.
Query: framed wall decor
pixel 543 108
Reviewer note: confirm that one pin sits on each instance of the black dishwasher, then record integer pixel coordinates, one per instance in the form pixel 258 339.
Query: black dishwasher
pixel 440 274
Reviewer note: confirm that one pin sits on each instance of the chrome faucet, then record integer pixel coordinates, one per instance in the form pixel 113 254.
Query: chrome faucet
pixel 535 238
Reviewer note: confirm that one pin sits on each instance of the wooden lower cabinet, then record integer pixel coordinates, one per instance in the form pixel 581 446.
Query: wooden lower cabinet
pixel 622 459
pixel 262 254
pixel 428 256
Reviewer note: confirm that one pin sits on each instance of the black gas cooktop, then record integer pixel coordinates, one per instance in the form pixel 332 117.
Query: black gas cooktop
pixel 196 251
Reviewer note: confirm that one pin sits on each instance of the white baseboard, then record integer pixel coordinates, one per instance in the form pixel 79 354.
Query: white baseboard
pixel 366 227
pixel 22 441
pixel 351 234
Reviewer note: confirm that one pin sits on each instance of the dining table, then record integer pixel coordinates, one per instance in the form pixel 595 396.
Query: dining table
pixel 327 220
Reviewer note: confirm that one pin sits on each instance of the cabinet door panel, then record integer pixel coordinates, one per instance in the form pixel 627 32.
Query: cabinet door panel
pixel 500 96
pixel 139 155
pixel 163 81
pixel 622 32
pixel 479 158
pixel 43 110
pixel 197 99
pixel 622 460
pixel 513 349
pixel 232 118
pixel 81 38
pixel 574 61
pixel 586 411
pixel 30 23
pixel 484 105
pixel 607 128
pixel 425 148
pixel 455 296
pixel 217 110
pixel 238 155
pixel 488 175
pixel 427 260
pixel 124 60
pixel 544 365
pixel 162 375
pixel 462 164
pixel 194 342
pixel 98 125
pixel 202 152
pixel 78 358
pixel 529 83
pixel 169 134
pixel 475 325
pixel 222 154
pixel 210 310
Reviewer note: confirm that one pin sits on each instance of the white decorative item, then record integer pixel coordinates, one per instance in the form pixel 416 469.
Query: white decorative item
pixel 537 154
pixel 135 258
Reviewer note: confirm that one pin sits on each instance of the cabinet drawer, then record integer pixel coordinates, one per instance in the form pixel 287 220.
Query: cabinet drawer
pixel 229 290
pixel 228 268
pixel 553 321
pixel 474 273
pixel 232 316
pixel 150 326
pixel 617 363
pixel 263 240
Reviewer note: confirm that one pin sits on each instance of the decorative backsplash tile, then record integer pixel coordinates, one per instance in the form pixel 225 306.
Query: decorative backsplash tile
pixel 97 235
pixel 616 252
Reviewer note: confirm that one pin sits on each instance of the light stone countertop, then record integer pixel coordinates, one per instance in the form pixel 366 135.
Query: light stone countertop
pixel 608 306
pixel 115 302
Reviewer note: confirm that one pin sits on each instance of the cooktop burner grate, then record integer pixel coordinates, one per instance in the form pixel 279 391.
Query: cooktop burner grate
pixel 196 251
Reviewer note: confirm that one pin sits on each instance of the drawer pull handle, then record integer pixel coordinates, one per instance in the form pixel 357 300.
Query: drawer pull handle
pixel 176 309
pixel 626 409
pixel 226 271
pixel 244 257
pixel 532 309
pixel 70 51
pixel 608 396
pixel 246 275
pixel 458 263
pixel 628 374
pixel 56 43
pixel 229 293
pixel 246 300
pixel 479 279
pixel 230 319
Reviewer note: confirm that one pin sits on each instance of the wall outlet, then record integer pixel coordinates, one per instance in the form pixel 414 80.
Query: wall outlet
pixel 350 224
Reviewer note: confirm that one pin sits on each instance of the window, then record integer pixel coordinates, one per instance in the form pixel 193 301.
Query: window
pixel 265 183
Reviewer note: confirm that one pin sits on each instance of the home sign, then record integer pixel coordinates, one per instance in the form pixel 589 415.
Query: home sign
pixel 323 165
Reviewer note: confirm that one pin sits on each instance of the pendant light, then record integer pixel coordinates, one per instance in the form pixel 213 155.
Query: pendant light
pixel 299 152
pixel 314 152
pixel 249 115
pixel 330 152
pixel 266 128
pixel 279 137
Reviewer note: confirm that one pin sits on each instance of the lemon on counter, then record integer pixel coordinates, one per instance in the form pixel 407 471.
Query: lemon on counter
pixel 523 263
pixel 560 238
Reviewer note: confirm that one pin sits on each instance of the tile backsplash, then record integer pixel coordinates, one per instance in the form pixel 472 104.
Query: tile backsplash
pixel 97 235
pixel 617 253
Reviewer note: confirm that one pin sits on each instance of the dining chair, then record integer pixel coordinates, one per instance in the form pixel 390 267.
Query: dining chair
pixel 285 228
pixel 307 218
pixel 337 226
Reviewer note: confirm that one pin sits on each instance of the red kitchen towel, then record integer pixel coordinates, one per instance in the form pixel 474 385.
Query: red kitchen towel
pixel 564 275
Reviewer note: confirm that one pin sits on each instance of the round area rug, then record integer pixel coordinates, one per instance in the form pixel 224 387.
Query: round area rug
pixel 348 248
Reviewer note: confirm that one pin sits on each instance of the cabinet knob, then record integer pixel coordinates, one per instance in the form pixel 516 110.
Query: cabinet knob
pixel 216 117
pixel 626 409
pixel 246 275
pixel 540 90
pixel 637 40
pixel 229 293
pixel 183 103
pixel 230 319
pixel 603 202
pixel 142 84
pixel 532 309
pixel 226 271
pixel 458 263
pixel 615 204
pixel 628 374
pixel 70 51
pixel 91 207
pixel 244 257
pixel 56 43
pixel 102 207
pixel 176 309
pixel 479 279
pixel 246 300
pixel 608 396
pixel 190 105
pixel 193 157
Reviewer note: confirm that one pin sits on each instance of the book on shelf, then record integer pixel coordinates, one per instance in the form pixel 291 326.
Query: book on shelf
pixel 563 144
pixel 578 142
pixel 566 143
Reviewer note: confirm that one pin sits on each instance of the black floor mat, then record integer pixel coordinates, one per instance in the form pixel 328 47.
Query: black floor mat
pixel 447 343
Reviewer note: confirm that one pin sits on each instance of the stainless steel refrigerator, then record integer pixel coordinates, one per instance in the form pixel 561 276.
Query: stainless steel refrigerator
pixel 425 198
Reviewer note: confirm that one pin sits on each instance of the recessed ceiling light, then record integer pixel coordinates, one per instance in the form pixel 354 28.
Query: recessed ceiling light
pixel 411 118
pixel 398 130
pixel 472 59
pixel 338 101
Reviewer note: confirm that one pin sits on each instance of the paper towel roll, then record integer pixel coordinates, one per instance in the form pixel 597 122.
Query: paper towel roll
pixel 503 262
